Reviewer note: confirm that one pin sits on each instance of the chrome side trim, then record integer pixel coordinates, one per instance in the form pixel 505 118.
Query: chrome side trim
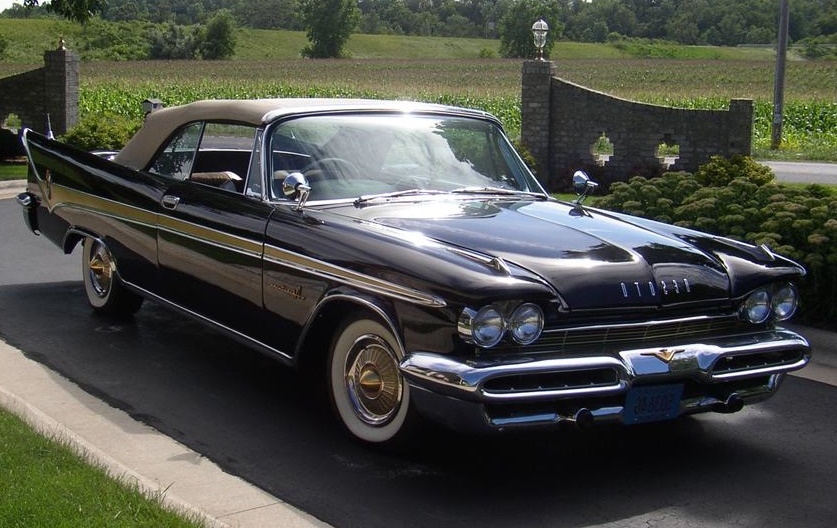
pixel 244 338
pixel 361 281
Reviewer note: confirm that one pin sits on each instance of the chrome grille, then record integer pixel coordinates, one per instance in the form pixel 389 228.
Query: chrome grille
pixel 553 381
pixel 761 360
pixel 604 337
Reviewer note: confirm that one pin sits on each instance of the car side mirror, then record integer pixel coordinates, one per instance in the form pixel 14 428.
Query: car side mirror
pixel 296 187
pixel 582 185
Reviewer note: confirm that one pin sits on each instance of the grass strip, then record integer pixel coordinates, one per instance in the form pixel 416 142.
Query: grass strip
pixel 10 171
pixel 45 483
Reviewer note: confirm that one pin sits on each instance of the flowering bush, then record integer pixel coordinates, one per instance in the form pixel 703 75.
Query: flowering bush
pixel 738 198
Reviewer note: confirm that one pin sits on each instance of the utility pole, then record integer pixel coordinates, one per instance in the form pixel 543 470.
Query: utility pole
pixel 779 80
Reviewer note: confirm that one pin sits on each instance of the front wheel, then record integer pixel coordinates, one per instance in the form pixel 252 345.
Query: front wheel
pixel 101 283
pixel 368 392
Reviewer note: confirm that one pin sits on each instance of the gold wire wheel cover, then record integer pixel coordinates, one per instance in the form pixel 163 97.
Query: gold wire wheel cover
pixel 373 382
pixel 101 269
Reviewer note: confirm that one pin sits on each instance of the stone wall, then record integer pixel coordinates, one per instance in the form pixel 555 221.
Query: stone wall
pixel 561 122
pixel 49 91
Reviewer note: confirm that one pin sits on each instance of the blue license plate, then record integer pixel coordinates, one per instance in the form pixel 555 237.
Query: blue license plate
pixel 652 404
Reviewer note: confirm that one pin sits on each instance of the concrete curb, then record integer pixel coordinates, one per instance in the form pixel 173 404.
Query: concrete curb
pixel 130 451
pixel 11 188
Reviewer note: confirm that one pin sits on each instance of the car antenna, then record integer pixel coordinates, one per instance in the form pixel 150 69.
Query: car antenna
pixel 49 133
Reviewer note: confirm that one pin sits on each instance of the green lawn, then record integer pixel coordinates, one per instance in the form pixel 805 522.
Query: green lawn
pixel 12 171
pixel 43 483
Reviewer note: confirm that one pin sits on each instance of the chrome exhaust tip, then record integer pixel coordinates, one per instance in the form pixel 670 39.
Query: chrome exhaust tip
pixel 733 404
pixel 582 419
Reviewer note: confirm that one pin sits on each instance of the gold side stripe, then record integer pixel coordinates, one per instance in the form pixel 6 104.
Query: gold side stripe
pixel 361 281
pixel 245 246
pixel 210 236
pixel 65 197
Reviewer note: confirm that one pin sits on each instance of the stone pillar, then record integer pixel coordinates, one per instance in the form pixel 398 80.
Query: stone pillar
pixel 535 113
pixel 741 126
pixel 61 78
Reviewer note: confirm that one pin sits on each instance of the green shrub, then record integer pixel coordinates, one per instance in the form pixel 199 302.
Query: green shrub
pixel 737 199
pixel 720 171
pixel 102 132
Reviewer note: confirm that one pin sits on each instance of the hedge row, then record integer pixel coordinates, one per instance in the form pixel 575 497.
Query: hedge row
pixel 738 198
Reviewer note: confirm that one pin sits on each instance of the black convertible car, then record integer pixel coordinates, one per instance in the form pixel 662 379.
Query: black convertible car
pixel 405 254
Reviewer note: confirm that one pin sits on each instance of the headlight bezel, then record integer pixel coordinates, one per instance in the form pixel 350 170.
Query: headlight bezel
pixel 525 323
pixel 520 323
pixel 772 303
pixel 791 302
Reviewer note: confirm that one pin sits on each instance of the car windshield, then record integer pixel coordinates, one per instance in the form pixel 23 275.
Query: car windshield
pixel 351 156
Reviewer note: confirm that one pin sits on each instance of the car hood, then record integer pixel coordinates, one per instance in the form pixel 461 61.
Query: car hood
pixel 591 259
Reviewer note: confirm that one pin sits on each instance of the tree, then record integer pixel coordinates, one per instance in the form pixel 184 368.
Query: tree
pixel 516 27
pixel 328 25
pixel 76 10
pixel 218 39
pixel 172 42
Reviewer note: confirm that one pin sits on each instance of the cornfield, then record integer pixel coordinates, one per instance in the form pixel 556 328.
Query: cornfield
pixel 810 117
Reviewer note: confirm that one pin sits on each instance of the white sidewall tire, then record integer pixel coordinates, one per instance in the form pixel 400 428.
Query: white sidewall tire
pixel 97 300
pixel 105 293
pixel 339 391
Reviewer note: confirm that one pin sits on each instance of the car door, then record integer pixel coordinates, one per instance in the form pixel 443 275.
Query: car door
pixel 210 235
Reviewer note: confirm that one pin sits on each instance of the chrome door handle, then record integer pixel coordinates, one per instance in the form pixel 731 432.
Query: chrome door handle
pixel 170 202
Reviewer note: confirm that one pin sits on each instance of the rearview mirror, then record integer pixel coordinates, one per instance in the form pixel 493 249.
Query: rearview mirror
pixel 295 186
pixel 582 185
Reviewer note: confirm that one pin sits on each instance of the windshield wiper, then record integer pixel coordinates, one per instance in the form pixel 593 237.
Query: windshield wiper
pixel 360 200
pixel 497 190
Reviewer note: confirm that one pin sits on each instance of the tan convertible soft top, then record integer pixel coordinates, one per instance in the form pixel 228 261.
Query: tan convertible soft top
pixel 159 125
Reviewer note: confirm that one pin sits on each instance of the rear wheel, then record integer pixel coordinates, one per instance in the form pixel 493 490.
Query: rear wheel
pixel 368 392
pixel 101 282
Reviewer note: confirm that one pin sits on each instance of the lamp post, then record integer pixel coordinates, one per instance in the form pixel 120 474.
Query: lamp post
pixel 539 31
pixel 779 77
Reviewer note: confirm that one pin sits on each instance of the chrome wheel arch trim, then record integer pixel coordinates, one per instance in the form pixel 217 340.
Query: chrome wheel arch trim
pixel 365 303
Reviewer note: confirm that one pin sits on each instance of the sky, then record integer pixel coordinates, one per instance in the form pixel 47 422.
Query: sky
pixel 5 4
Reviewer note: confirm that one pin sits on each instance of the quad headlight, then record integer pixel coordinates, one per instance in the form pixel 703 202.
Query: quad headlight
pixel 778 301
pixel 526 323
pixel 487 326
pixel 785 301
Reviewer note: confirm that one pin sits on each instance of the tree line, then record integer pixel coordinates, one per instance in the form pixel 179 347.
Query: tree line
pixel 692 22
pixel 716 22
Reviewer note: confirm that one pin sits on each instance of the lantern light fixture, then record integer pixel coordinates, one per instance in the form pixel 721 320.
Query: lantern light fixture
pixel 539 31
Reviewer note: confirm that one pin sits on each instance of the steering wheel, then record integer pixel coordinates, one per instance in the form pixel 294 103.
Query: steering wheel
pixel 338 168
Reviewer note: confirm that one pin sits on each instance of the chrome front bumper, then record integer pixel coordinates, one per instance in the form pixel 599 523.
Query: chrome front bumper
pixel 528 391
